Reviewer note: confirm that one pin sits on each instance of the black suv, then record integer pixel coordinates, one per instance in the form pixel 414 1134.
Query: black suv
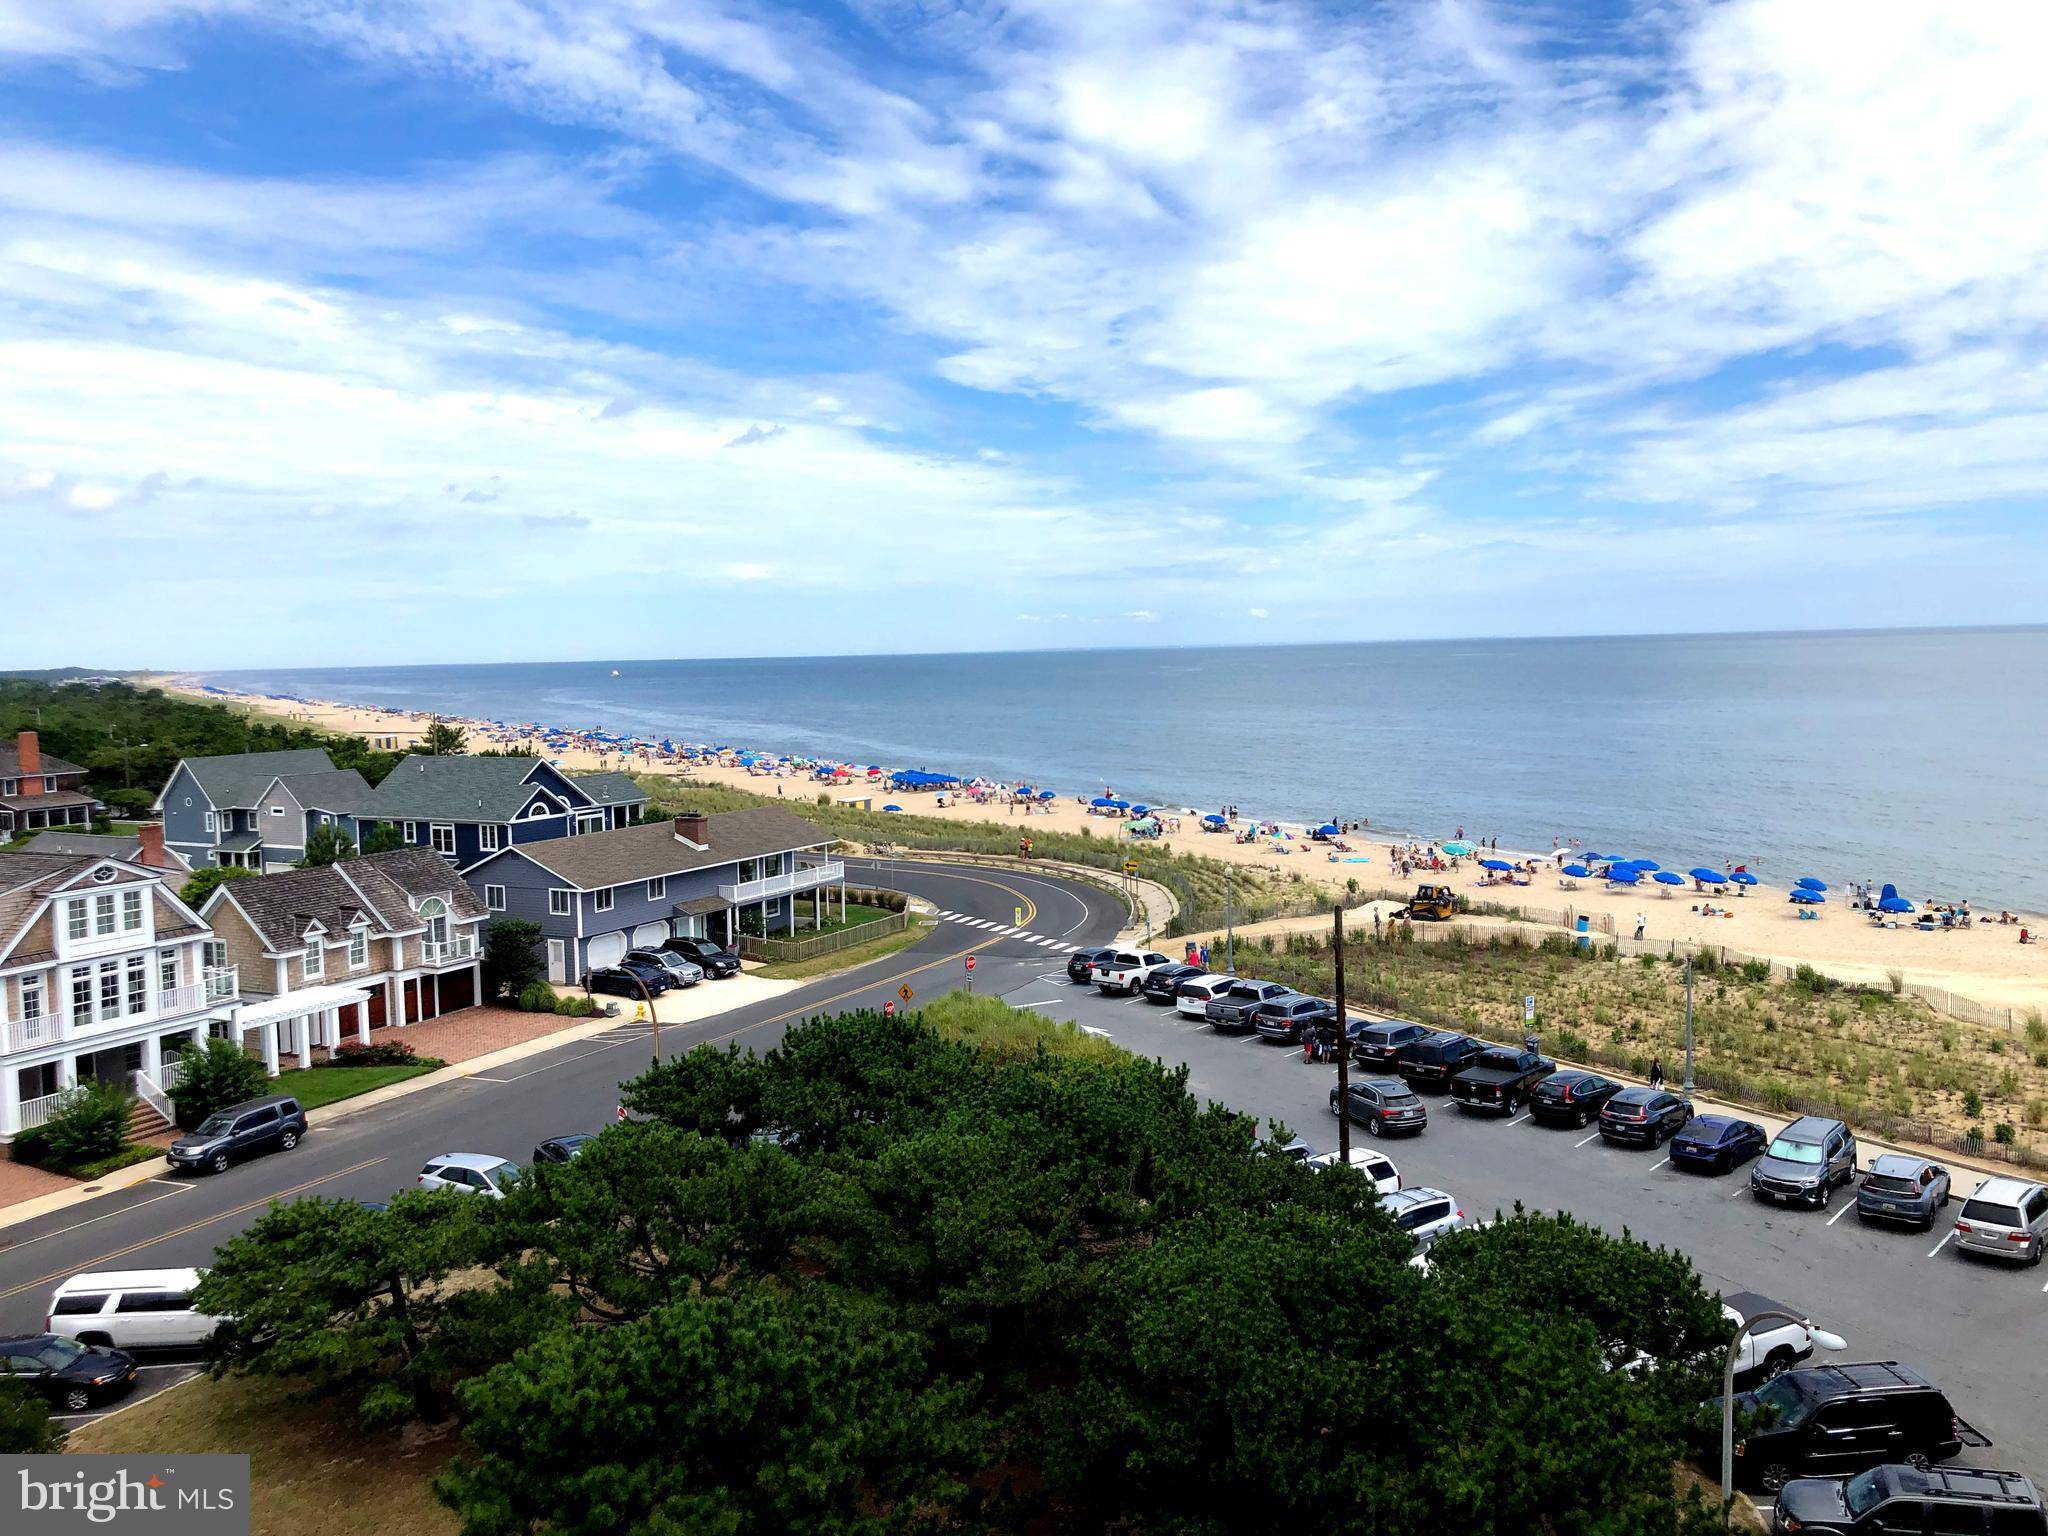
pixel 1159 986
pixel 1081 965
pixel 717 963
pixel 1909 1499
pixel 73 1376
pixel 1436 1058
pixel 239 1131
pixel 1644 1116
pixel 1573 1097
pixel 1286 1018
pixel 1380 1047
pixel 1832 1420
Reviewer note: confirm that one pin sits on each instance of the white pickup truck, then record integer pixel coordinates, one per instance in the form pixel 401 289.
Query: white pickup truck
pixel 1775 1347
pixel 1125 970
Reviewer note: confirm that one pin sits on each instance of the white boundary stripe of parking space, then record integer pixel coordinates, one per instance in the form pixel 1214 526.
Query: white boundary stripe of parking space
pixel 1594 1137
pixel 1942 1244
pixel 1845 1210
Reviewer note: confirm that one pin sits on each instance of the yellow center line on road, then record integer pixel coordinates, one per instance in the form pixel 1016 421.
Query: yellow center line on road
pixel 192 1226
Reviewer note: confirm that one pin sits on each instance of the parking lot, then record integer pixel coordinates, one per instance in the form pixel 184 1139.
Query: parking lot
pixel 1893 1293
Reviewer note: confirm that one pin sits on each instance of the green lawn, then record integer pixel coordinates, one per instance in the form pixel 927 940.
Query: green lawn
pixel 842 959
pixel 856 914
pixel 315 1086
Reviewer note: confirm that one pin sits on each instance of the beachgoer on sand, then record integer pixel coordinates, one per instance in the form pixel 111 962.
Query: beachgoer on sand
pixel 1639 925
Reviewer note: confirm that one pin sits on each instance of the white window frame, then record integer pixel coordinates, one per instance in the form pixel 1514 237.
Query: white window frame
pixel 316 960
pixel 211 825
pixel 131 911
pixel 167 969
pixel 561 901
pixel 657 888
pixel 78 919
pixel 412 831
pixel 277 810
pixel 489 837
pixel 138 984
pixel 31 997
pixel 359 949
pixel 435 829
pixel 106 915
pixel 601 901
pixel 494 897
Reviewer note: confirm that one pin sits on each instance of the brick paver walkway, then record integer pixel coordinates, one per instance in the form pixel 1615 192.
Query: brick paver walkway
pixel 18 1182
pixel 474 1032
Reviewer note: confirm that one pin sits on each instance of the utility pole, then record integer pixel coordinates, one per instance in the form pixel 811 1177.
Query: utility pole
pixel 1343 1040
pixel 1688 1026
pixel 1229 929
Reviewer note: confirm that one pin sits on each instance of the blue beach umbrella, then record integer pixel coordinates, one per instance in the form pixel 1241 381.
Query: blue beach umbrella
pixel 1495 864
pixel 1808 898
pixel 1327 829
pixel 1139 810
pixel 1577 871
pixel 1742 877
pixel 1646 866
pixel 1891 901
pixel 1121 805
pixel 1102 802
pixel 1590 857
pixel 1045 794
pixel 1808 883
pixel 1621 874
pixel 1666 877
pixel 1710 876
pixel 1214 820
pixel 892 807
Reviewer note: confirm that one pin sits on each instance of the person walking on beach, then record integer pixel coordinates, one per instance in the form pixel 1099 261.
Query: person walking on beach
pixel 1639 925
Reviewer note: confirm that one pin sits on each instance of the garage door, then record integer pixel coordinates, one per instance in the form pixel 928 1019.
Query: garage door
pixel 650 935
pixel 457 990
pixel 607 949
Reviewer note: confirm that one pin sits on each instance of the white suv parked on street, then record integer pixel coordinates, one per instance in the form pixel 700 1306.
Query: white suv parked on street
pixel 1194 995
pixel 130 1309
pixel 1125 970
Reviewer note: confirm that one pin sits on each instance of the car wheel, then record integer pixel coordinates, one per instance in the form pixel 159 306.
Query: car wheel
pixel 288 1140
pixel 1372 1128
pixel 219 1164
pixel 76 1400
pixel 1918 1462
pixel 1776 1476
pixel 1507 1105
pixel 99 1339
pixel 1777 1363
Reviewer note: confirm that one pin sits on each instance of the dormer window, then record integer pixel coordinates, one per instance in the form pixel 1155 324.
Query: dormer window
pixel 316 959
pixel 359 947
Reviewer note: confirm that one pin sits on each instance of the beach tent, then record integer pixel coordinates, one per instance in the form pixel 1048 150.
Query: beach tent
pixel 1742 877
pixel 1808 898
pixel 1709 876
pixel 1576 871
pixel 1891 901
pixel 1808 883
pixel 1666 877
pixel 1144 826
pixel 1495 864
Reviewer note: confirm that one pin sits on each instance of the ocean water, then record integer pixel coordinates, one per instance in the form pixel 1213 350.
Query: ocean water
pixel 1911 756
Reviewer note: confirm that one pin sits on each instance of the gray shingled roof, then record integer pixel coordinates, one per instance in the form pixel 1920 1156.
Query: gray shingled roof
pixel 10 763
pixel 376 885
pixel 101 845
pixel 341 790
pixel 610 788
pixel 26 878
pixel 236 780
pixel 592 860
pixel 425 788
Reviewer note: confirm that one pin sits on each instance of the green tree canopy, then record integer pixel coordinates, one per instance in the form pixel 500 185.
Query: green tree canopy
pixel 217 1074
pixel 325 844
pixel 202 883
pixel 442 740
pixel 384 837
pixel 512 956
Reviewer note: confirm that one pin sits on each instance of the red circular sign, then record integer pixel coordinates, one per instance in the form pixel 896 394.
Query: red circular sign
pixel 970 962
pixel 888 1010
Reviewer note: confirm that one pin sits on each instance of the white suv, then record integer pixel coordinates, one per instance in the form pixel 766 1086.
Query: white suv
pixel 130 1309
pixel 470 1173
pixel 1125 970
pixel 1194 994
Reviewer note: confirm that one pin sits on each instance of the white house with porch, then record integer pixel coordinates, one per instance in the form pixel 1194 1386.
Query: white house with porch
pixel 104 973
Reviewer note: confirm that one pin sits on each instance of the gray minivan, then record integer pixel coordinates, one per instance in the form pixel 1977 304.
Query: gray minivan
pixel 2007 1218
pixel 1805 1163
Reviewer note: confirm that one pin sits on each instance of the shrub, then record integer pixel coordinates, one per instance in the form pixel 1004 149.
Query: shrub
pixel 2003 1133
pixel 1573 1045
pixel 218 1075
pixel 90 1124
pixel 576 1007
pixel 537 997
pixel 1756 970
pixel 1898 981
pixel 1973 1138
pixel 1807 979
pixel 25 1427
pixel 385 1053
pixel 1973 1103
pixel 2037 1032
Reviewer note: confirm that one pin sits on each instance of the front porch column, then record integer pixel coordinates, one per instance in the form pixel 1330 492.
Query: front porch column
pixel 67 1072
pixel 842 899
pixel 10 1100
pixel 394 1001
pixel 363 1022
pixel 152 1058
pixel 269 1047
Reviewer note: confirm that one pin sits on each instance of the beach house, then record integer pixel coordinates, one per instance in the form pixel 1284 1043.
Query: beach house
pixel 37 791
pixel 326 955
pixel 255 810
pixel 468 808
pixel 595 896
pixel 104 973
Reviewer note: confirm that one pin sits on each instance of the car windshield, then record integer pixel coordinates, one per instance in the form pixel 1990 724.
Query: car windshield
pixel 1782 1400
pixel 1795 1151
pixel 215 1125
pixel 504 1175
pixel 55 1354
pixel 1863 1492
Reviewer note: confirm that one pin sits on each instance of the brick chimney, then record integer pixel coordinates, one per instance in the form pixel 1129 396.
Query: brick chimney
pixel 31 753
pixel 694 828
pixel 151 834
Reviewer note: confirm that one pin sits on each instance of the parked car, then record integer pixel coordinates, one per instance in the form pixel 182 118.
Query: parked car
pixel 1125 970
pixel 1896 1497
pixel 1193 995
pixel 130 1309
pixel 1806 1162
pixel 1900 1188
pixel 1161 986
pixel 71 1375
pixel 1424 1214
pixel 563 1149
pixel 1238 1006
pixel 241 1130
pixel 1299 1149
pixel 1499 1078
pixel 1385 1106
pixel 1832 1420
pixel 1643 1116
pixel 470 1173
pixel 678 971
pixel 627 979
pixel 1774 1348
pixel 1286 1019
pixel 1437 1057
pixel 714 960
pixel 1081 965
pixel 1716 1143
pixel 1571 1097
pixel 2006 1218
pixel 1385 1176
pixel 1379 1047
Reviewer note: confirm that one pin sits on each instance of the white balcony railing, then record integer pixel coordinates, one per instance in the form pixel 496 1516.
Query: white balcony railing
pixel 804 877
pixel 221 985
pixel 35 1112
pixel 448 951
pixel 176 1000
pixel 223 982
pixel 43 1029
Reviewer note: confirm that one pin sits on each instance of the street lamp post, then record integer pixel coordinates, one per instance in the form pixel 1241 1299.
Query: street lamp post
pixel 1688 1026
pixel 1229 929
pixel 1826 1340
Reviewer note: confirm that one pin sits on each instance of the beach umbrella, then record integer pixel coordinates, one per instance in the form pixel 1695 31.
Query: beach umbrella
pixel 1647 866
pixel 1045 794
pixel 1589 857
pixel 1710 876
pixel 1577 871
pixel 1455 850
pixel 1808 883
pixel 1621 874
pixel 1327 829
pixel 1102 802
pixel 1808 898
pixel 1742 877
pixel 1666 877
pixel 1213 819
pixel 892 807
pixel 1139 810
pixel 1495 864
pixel 1118 804
pixel 1891 901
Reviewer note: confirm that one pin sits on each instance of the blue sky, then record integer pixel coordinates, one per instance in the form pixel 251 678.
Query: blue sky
pixel 351 331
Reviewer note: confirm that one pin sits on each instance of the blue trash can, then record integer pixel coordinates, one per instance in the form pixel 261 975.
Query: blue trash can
pixel 1584 925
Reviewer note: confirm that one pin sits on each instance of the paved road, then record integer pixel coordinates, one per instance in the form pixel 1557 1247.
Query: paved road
pixel 1977 1328
pixel 174 1222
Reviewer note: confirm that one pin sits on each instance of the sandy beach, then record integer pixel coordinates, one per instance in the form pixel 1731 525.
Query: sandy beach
pixel 1984 963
